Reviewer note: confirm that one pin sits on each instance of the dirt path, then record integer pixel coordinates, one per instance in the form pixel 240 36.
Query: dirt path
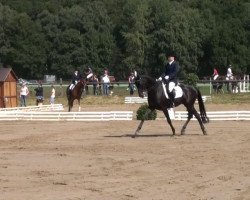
pixel 99 160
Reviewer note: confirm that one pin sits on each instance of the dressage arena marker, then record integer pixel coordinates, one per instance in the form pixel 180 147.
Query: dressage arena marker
pixel 145 99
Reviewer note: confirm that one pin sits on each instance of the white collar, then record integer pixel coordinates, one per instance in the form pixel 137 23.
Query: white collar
pixel 171 62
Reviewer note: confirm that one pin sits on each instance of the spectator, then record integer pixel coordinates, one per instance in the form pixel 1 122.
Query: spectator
pixel 53 95
pixel 24 91
pixel 131 84
pixel 39 94
pixel 215 74
pixel 95 82
pixel 106 81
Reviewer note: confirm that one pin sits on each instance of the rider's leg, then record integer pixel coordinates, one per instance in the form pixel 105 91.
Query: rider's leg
pixel 171 86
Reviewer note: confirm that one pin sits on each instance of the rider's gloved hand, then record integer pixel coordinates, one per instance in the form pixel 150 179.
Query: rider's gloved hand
pixel 159 79
pixel 166 77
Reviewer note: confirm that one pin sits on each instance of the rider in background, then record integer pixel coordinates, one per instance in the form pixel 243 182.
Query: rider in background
pixel 229 73
pixel 89 73
pixel 215 74
pixel 169 77
pixel 75 78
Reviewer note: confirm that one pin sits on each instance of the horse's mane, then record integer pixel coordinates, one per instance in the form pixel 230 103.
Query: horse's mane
pixel 149 79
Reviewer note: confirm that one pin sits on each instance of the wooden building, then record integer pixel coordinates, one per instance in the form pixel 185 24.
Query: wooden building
pixel 8 88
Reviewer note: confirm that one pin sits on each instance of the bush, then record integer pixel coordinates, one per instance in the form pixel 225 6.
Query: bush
pixel 142 110
pixel 191 79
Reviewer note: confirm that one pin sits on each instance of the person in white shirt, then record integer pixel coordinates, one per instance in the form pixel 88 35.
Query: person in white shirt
pixel 24 91
pixel 53 95
pixel 106 81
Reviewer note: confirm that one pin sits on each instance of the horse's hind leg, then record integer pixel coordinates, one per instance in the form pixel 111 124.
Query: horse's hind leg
pixel 198 117
pixel 165 111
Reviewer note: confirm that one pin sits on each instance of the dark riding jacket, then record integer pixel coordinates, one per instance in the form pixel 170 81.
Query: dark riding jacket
pixel 171 70
pixel 76 78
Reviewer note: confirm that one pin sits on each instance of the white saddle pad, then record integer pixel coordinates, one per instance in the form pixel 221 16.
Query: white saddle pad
pixel 178 91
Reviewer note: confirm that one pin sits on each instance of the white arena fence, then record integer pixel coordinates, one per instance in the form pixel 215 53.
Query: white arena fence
pixel 54 107
pixel 217 115
pixel 145 99
pixel 66 116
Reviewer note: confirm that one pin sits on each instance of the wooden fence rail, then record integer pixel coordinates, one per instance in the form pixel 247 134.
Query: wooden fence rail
pixel 67 116
pixel 55 107
pixel 218 115
pixel 145 99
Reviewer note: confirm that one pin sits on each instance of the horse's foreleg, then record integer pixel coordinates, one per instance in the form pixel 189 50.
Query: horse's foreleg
pixel 138 128
pixel 141 123
pixel 165 111
pixel 79 105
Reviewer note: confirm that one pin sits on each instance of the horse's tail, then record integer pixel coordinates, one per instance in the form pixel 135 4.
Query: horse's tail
pixel 202 108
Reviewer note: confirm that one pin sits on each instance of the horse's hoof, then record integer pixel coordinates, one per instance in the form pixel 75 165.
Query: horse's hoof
pixel 204 132
pixel 133 136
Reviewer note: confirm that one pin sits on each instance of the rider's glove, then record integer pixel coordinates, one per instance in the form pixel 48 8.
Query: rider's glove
pixel 166 77
pixel 159 79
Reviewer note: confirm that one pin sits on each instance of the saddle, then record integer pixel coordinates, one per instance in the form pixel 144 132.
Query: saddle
pixel 178 91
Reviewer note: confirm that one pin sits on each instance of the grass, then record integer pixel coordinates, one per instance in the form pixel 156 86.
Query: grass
pixel 121 91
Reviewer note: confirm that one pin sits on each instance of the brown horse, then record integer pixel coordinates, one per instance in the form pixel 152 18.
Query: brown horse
pixel 76 93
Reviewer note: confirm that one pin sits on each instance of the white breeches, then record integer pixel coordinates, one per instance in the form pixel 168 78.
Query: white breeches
pixel 89 75
pixel 71 86
pixel 215 77
pixel 171 86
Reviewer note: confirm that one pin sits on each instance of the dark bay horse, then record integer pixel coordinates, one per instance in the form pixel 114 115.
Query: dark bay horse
pixel 157 100
pixel 76 93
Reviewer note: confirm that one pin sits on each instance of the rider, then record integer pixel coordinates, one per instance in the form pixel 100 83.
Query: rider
pixel 169 77
pixel 215 74
pixel 229 73
pixel 75 78
pixel 89 73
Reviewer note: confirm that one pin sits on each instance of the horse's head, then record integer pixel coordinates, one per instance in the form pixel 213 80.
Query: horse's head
pixel 140 88
pixel 143 83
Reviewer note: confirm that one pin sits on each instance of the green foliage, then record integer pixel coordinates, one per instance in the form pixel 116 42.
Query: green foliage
pixel 191 79
pixel 55 37
pixel 142 110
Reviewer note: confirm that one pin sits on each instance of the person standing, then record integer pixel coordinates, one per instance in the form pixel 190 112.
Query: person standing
pixel 95 84
pixel 169 77
pixel 215 74
pixel 53 95
pixel 24 91
pixel 39 94
pixel 106 82
pixel 131 83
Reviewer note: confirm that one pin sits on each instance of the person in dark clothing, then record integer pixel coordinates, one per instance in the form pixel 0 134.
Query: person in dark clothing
pixel 39 94
pixel 169 77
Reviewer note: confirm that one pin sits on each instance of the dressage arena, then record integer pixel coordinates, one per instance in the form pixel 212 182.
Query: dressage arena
pixel 72 160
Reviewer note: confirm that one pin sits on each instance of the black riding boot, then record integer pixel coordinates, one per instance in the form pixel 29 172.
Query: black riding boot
pixel 171 97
